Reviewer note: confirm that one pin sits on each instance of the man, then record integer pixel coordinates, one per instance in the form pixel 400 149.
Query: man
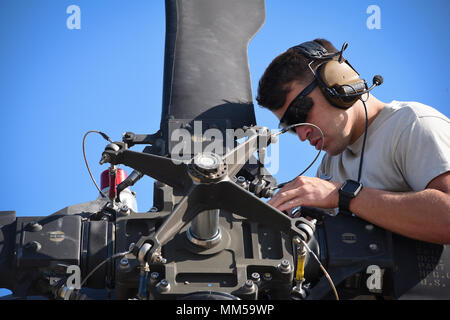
pixel 405 176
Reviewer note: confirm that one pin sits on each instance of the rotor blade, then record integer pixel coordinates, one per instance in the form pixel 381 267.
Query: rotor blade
pixel 171 172
pixel 206 69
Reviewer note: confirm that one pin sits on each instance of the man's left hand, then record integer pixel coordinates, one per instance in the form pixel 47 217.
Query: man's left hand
pixel 307 191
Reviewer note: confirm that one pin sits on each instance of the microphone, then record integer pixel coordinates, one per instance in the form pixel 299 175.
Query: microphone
pixel 377 80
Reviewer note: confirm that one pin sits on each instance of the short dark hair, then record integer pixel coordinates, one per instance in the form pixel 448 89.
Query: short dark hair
pixel 285 68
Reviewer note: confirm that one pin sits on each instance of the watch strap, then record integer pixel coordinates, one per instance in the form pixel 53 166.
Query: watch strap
pixel 344 203
pixel 345 197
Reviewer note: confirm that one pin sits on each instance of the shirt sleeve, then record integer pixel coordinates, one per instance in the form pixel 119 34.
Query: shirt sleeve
pixel 423 151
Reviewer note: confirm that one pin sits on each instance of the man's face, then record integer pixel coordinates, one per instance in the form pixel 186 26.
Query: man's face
pixel 332 121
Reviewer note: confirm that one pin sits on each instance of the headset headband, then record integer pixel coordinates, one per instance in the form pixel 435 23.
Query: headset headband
pixel 316 51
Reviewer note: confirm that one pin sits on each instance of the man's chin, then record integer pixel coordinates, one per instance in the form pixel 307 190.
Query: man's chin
pixel 332 152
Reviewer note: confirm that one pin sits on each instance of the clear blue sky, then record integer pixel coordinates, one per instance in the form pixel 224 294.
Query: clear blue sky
pixel 56 83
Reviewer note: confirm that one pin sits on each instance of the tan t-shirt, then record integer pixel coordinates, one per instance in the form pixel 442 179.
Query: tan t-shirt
pixel 408 144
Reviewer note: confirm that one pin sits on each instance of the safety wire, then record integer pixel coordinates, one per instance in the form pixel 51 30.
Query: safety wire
pixel 114 256
pixel 323 269
pixel 85 159
pixel 281 185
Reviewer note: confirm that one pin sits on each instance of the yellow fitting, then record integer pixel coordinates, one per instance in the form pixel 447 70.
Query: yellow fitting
pixel 300 272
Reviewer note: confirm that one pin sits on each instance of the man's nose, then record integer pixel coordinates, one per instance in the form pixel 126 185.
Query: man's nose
pixel 303 132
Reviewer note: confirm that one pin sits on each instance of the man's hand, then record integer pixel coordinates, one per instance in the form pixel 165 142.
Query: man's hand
pixel 307 191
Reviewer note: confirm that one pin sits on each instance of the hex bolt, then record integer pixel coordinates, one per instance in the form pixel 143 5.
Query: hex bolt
pixel 297 240
pixel 154 275
pixel 256 277
pixel 284 266
pixel 124 210
pixel 154 278
pixel 160 259
pixel 32 246
pixel 164 285
pixel 33 226
pixel 241 179
pixel 267 192
pixel 105 158
pixel 249 285
pixel 124 262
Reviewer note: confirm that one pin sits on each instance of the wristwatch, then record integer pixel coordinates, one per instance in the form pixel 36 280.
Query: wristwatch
pixel 347 192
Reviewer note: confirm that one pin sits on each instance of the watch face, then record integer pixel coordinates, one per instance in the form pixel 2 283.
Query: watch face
pixel 351 187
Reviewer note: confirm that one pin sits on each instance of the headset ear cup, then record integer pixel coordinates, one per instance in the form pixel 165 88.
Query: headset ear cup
pixel 336 100
pixel 330 94
pixel 340 83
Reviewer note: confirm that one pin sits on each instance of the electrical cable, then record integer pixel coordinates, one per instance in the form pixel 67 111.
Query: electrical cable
pixel 281 185
pixel 105 136
pixel 364 141
pixel 323 269
pixel 114 256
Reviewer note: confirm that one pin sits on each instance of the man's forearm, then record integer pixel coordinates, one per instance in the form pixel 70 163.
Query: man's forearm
pixel 423 215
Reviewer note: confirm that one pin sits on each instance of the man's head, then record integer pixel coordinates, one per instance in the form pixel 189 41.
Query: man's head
pixel 289 66
pixel 287 83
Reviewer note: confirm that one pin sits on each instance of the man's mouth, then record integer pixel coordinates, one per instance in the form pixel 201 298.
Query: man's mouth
pixel 317 143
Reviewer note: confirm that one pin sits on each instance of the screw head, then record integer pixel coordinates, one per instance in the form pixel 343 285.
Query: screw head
pixel 33 226
pixel 163 286
pixel 124 209
pixel 285 263
pixel 32 246
pixel 255 276
pixel 124 262
pixel 241 179
pixel 297 240
pixel 154 275
pixel 284 266
pixel 249 283
pixel 164 282
pixel 373 247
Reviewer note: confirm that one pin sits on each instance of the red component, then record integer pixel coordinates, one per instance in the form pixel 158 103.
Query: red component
pixel 114 179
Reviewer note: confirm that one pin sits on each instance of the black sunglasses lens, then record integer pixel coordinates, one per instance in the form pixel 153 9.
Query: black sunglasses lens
pixel 298 109
pixel 297 112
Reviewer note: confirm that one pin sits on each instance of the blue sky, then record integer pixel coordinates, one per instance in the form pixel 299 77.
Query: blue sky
pixel 57 83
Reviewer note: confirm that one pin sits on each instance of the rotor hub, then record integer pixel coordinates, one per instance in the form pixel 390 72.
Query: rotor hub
pixel 207 167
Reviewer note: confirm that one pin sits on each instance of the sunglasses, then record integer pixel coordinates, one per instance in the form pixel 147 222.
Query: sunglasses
pixel 298 109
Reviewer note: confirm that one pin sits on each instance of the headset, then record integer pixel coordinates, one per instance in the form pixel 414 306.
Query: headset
pixel 338 80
